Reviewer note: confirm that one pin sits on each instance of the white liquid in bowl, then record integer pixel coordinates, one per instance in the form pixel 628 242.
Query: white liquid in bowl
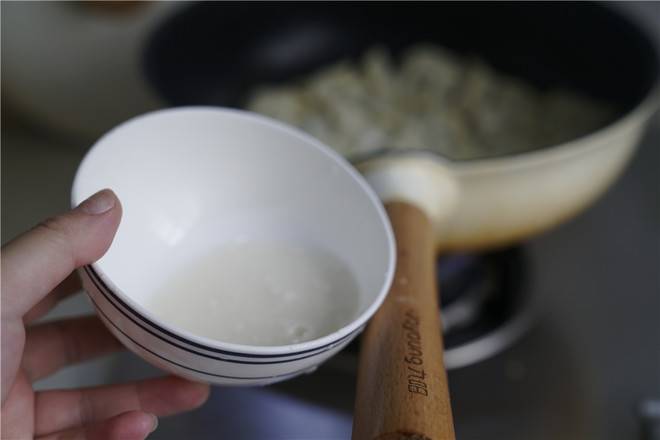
pixel 258 293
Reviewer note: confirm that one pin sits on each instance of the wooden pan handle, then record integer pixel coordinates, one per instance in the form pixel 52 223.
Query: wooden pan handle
pixel 402 390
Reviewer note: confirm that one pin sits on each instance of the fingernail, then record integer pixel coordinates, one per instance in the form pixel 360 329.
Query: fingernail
pixel 155 423
pixel 102 201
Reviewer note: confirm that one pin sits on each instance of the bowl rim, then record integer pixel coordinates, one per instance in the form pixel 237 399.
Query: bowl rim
pixel 328 340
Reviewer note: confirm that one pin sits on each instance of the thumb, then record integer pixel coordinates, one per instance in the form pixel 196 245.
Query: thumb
pixel 37 261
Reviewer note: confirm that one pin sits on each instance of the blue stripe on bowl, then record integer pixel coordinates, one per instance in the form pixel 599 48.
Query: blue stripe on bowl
pixel 113 299
pixel 279 377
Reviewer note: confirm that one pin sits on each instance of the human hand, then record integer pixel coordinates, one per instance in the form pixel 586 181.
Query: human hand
pixel 36 273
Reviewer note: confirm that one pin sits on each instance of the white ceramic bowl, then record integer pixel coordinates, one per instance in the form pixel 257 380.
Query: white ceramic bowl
pixel 191 179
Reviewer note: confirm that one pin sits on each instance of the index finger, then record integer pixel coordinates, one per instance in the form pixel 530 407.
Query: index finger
pixel 36 262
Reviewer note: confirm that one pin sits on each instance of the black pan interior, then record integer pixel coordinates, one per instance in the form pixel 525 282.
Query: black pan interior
pixel 215 53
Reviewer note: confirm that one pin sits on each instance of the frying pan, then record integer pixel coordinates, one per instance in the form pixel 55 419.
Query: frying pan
pixel 217 53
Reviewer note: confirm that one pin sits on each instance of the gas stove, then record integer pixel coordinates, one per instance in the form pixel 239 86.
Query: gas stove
pixel 486 306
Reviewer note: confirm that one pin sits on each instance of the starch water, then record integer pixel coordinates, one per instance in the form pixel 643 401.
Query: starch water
pixel 260 293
